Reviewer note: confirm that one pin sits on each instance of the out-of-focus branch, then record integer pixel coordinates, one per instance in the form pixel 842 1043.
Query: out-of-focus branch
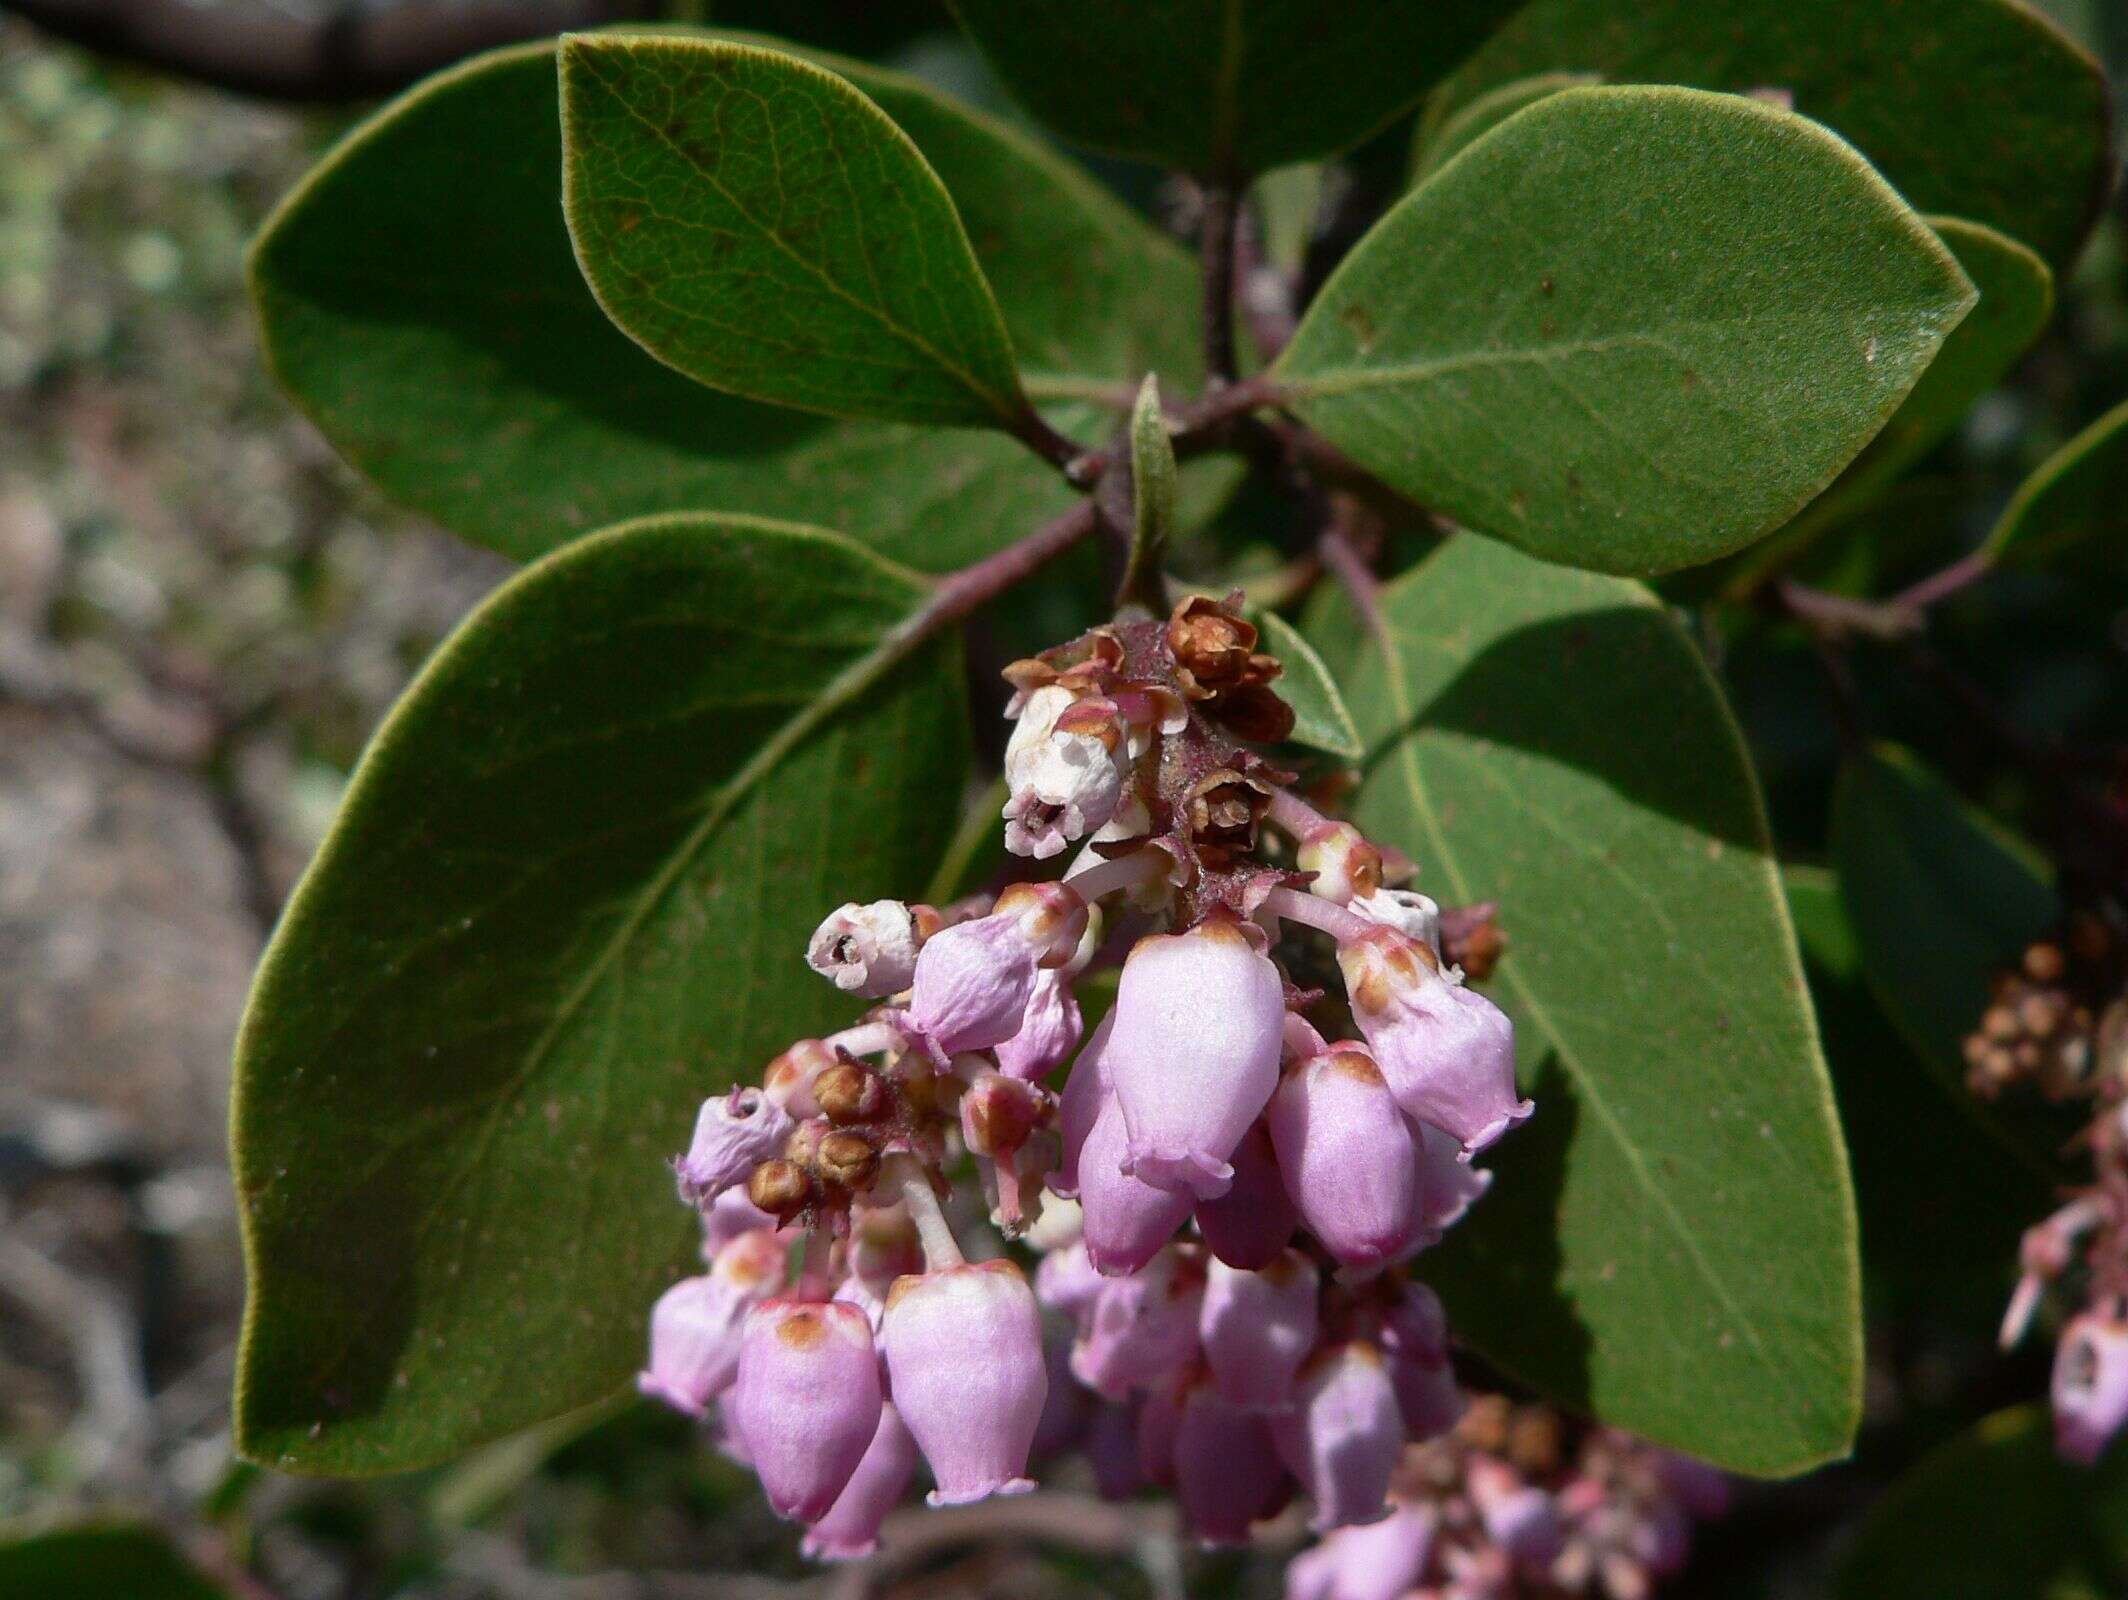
pixel 337 51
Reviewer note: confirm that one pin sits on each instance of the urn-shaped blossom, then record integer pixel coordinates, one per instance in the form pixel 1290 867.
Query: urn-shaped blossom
pixel 1126 1220
pixel 806 1401
pixel 1228 1473
pixel 695 1327
pixel 1253 1221
pixel 1343 1435
pixel 1086 1091
pixel 871 949
pixel 1346 1155
pixel 2090 1385
pixel 1448 1053
pixel 974 980
pixel 1194 1055
pixel 850 1530
pixel 1380 1561
pixel 1141 1329
pixel 1257 1327
pixel 1049 1031
pixel 964 1354
pixel 734 1133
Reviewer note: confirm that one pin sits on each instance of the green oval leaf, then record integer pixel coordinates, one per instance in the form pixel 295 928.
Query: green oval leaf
pixel 1612 331
pixel 1223 88
pixel 107 1562
pixel 2078 497
pixel 1486 113
pixel 1995 1514
pixel 467 370
pixel 1321 719
pixel 567 896
pixel 1671 1242
pixel 1939 898
pixel 1975 108
pixel 758 223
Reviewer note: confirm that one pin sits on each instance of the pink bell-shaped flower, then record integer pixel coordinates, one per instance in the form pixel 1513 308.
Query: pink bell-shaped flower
pixel 1448 1186
pixel 1066 1282
pixel 964 1354
pixel 1258 1327
pixel 1415 1339
pixel 1111 1449
pixel 870 950
pixel 1254 1220
pixel 732 1213
pixel 1227 1469
pixel 1126 1219
pixel 1346 1155
pixel 1380 1561
pixel 2090 1386
pixel 1448 1053
pixel 1344 1434
pixel 695 1327
pixel 806 1401
pixel 1049 1032
pixel 1141 1330
pixel 1194 1056
pixel 734 1133
pixel 1159 1420
pixel 974 980
pixel 1520 1518
pixel 1086 1091
pixel 850 1530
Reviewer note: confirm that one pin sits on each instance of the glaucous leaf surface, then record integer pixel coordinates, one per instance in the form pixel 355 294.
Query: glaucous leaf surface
pixel 1629 329
pixel 1992 1514
pixel 758 223
pixel 1671 1242
pixel 567 897
pixel 2074 509
pixel 1973 108
pixel 1926 1166
pixel 100 1562
pixel 1224 88
pixel 1486 113
pixel 465 367
pixel 1939 898
pixel 2016 299
pixel 1321 719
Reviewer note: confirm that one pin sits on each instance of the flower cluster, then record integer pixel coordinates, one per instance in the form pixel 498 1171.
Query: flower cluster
pixel 1504 1507
pixel 2058 1021
pixel 1223 1193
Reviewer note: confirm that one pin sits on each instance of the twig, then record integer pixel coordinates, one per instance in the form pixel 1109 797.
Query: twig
pixel 1216 249
pixel 1342 560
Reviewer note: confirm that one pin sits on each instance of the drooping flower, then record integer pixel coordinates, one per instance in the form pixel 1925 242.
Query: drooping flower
pixel 1069 780
pixel 1378 1561
pixel 1049 1032
pixel 734 1133
pixel 850 1530
pixel 696 1326
pixel 1126 1219
pixel 806 1401
pixel 870 949
pixel 1228 1473
pixel 2090 1385
pixel 974 980
pixel 1344 1434
pixel 1346 1155
pixel 1086 1091
pixel 1258 1327
pixel 1254 1220
pixel 1520 1518
pixel 1447 1052
pixel 1142 1328
pixel 1194 1055
pixel 964 1353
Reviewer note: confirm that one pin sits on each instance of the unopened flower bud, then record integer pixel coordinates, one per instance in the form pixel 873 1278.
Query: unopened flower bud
pixel 1194 1056
pixel 1347 868
pixel 1343 1435
pixel 806 1402
pixel 883 1245
pixel 1346 1155
pixel 1258 1327
pixel 1448 1053
pixel 2090 1386
pixel 734 1133
pixel 999 1113
pixel 847 1159
pixel 1049 1031
pixel 788 1081
pixel 974 980
pixel 964 1351
pixel 1380 1561
pixel 781 1187
pixel 1227 1469
pixel 870 949
pixel 1143 1328
pixel 1254 1220
pixel 850 1092
pixel 850 1530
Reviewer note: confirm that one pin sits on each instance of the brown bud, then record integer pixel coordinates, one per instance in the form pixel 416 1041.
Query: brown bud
pixel 1212 647
pixel 1255 713
pixel 850 1092
pixel 2000 1023
pixel 781 1188
pixel 847 1159
pixel 2045 963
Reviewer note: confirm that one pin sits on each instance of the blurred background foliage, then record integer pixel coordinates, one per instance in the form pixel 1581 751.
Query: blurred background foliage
pixel 202 613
